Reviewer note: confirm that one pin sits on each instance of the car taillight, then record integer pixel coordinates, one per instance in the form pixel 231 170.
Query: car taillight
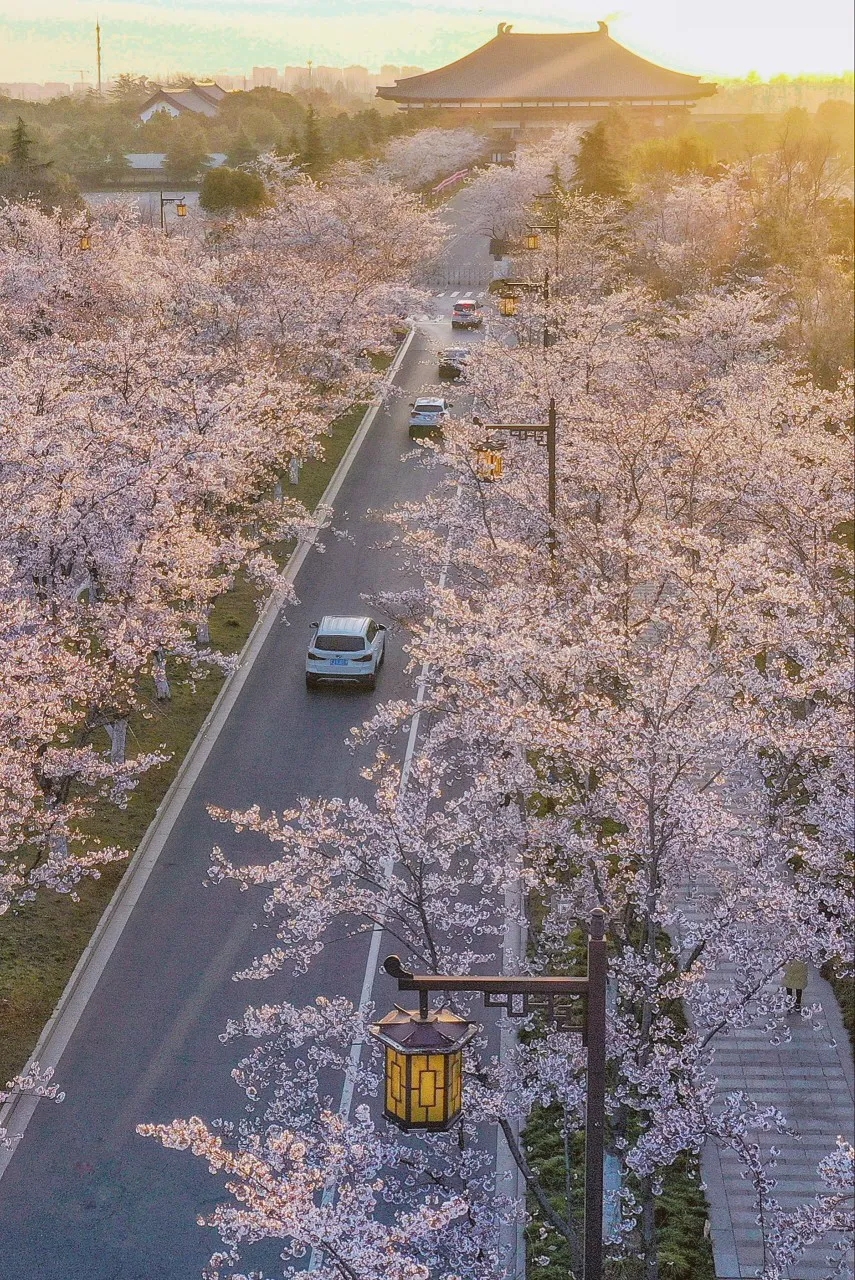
pixel 364 657
pixel 319 657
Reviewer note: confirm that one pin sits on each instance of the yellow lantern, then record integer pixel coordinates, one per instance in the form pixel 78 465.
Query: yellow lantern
pixel 532 240
pixel 85 241
pixel 489 463
pixel 181 209
pixel 507 304
pixel 424 1067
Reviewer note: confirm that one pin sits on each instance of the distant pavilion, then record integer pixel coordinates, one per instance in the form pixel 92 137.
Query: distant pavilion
pixel 521 80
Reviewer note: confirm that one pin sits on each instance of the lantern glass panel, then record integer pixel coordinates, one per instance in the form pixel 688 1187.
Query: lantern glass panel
pixel 427 1088
pixel 508 306
pixel 396 1085
pixel 181 209
pixel 532 240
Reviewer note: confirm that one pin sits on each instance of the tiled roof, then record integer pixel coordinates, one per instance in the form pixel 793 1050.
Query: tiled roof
pixel 211 90
pixel 585 66
pixel 204 99
pixel 152 161
pixel 191 100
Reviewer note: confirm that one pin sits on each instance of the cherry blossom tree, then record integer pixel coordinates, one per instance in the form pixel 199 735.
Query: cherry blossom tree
pixel 419 159
pixel 159 388
pixel 630 703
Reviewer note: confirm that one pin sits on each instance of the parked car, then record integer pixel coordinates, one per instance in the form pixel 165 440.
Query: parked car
pixel 453 362
pixel 345 648
pixel 428 413
pixel 466 314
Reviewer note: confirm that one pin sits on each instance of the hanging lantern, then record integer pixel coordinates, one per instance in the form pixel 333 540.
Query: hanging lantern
pixel 424 1067
pixel 489 463
pixel 532 240
pixel 85 241
pixel 181 208
pixel 508 304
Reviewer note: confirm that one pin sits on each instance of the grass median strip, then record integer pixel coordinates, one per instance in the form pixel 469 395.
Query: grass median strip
pixel 41 942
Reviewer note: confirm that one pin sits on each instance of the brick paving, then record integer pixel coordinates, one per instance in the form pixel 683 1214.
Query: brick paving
pixel 809 1079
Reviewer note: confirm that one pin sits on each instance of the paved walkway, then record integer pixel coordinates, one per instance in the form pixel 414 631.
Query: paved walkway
pixel 809 1079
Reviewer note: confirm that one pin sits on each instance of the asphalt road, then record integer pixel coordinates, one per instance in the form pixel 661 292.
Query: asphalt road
pixel 83 1195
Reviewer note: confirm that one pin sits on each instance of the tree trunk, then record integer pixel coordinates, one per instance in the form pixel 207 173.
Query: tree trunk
pixel 58 844
pixel 648 1230
pixel 161 683
pixel 278 491
pixel 118 732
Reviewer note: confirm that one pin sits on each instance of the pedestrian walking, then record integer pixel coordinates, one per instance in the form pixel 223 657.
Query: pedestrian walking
pixel 795 980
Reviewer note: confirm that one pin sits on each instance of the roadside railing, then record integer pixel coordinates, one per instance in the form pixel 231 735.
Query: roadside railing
pixel 449 182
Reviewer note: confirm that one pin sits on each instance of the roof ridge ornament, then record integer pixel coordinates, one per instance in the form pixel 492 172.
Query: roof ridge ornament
pixel 603 28
pixel 504 29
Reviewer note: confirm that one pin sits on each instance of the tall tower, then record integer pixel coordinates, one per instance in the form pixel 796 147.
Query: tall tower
pixel 98 52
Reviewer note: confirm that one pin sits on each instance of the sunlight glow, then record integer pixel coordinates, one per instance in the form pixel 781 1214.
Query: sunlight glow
pixel 53 39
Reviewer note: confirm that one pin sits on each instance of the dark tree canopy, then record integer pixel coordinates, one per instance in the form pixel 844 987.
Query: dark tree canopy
pixel 227 190
pixel 597 171
pixel 23 176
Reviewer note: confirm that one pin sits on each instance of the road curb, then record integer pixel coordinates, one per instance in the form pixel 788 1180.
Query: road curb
pixel 15 1115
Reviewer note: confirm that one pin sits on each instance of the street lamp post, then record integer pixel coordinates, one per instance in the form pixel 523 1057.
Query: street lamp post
pixel 542 435
pixel 180 208
pixel 423 1090
pixel 509 290
pixel 533 238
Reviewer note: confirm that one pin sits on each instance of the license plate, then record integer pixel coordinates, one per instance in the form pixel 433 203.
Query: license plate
pixel 338 662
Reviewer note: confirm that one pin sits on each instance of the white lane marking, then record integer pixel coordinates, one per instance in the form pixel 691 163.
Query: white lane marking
pixel 456 291
pixel 16 1114
pixel 440 295
pixel 387 865
pixel 370 974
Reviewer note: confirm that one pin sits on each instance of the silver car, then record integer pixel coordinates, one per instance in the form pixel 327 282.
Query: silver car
pixel 346 648
pixel 467 314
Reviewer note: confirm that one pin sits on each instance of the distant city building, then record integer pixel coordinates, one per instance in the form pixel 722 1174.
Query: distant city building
pixel 296 78
pixel 358 80
pixel 265 77
pixel 26 92
pixel 194 99
pixel 233 84
pixel 519 80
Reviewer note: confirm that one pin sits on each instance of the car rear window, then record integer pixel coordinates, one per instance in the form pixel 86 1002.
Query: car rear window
pixel 339 644
pixel 427 406
pixel 465 306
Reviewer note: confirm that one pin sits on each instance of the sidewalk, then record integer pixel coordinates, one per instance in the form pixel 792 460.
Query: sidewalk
pixel 810 1080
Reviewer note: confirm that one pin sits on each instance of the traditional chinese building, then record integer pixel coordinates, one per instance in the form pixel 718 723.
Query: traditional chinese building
pixel 192 99
pixel 517 80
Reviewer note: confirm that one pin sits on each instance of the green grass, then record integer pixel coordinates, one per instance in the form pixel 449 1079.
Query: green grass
pixel 844 990
pixel 41 942
pixel 681 1210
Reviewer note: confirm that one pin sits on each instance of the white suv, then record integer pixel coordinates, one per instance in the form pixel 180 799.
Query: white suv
pixel 346 648
pixel 428 413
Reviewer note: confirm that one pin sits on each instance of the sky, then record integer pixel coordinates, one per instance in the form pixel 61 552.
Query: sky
pixel 44 40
